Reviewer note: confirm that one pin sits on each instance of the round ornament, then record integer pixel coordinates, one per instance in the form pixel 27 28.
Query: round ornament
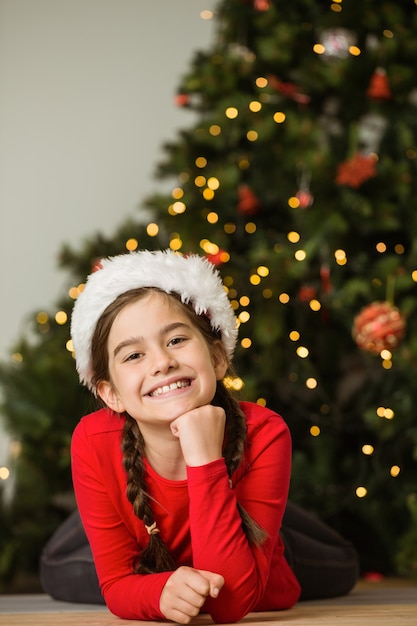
pixel 337 42
pixel 378 326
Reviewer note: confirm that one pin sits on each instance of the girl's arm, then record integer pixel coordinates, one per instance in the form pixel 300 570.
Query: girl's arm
pixel 218 541
pixel 128 595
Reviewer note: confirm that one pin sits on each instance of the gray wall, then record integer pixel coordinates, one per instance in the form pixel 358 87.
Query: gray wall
pixel 86 101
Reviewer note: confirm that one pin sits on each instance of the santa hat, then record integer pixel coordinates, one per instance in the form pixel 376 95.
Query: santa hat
pixel 192 277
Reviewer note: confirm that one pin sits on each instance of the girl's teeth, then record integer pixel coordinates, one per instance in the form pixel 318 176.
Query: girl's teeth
pixel 171 387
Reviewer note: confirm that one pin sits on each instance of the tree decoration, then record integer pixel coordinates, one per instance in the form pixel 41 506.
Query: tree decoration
pixel 289 90
pixel 219 258
pixel 182 99
pixel 337 42
pixel 262 5
pixel 379 88
pixel 306 293
pixel 249 202
pixel 355 171
pixel 304 195
pixel 371 129
pixel 378 326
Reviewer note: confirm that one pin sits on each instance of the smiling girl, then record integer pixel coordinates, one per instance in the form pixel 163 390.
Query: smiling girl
pixel 180 488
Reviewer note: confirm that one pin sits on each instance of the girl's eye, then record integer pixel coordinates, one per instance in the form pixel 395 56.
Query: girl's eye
pixel 176 340
pixel 134 356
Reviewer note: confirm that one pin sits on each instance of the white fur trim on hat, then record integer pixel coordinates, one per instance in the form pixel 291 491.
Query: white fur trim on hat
pixel 192 277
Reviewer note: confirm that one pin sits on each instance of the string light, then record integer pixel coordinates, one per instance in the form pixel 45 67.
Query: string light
pixel 4 473
pixel 315 431
pixel 279 117
pixel 152 229
pixel 131 244
pixel 367 449
pixel 231 113
pixel 61 318
pixel 361 492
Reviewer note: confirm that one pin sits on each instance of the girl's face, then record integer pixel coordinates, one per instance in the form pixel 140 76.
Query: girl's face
pixel 159 363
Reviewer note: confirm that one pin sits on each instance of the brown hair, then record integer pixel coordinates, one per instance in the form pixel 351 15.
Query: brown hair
pixel 155 556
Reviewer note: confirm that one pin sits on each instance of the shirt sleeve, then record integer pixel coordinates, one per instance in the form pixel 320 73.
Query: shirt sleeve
pixel 127 595
pixel 219 543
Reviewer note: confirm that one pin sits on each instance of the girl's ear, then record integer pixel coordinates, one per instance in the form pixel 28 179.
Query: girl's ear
pixel 110 396
pixel 220 361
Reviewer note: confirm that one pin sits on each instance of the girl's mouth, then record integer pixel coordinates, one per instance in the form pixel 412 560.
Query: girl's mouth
pixel 179 384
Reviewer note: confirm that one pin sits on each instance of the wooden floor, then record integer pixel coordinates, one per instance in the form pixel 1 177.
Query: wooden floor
pixel 392 603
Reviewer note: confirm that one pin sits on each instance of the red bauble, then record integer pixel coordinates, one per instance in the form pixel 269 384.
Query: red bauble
pixel 219 258
pixel 182 99
pixel 378 326
pixel 379 88
pixel 306 293
pixel 249 202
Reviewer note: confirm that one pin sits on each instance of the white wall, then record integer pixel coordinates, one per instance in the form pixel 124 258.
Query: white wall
pixel 86 101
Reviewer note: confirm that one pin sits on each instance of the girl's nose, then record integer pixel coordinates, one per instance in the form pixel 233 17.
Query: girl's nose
pixel 162 361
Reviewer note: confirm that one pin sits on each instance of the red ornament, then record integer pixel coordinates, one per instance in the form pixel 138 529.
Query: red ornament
pixel 96 265
pixel 249 202
pixel 379 88
pixel 288 89
pixel 306 293
pixel 262 5
pixel 219 258
pixel 378 326
pixel 356 171
pixel 182 99
pixel 305 198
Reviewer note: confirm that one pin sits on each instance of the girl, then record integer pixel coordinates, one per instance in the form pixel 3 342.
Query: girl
pixel 181 489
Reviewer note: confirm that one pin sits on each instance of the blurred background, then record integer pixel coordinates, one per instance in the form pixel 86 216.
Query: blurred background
pixel 279 140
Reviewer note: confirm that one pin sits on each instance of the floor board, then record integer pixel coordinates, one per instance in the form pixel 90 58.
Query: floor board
pixel 389 604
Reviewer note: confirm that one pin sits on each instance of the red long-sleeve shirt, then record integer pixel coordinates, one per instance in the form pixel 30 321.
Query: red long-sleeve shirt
pixel 197 517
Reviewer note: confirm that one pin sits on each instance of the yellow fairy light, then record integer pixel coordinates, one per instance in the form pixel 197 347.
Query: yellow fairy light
pixel 233 382
pixel 361 492
pixel 314 305
pixel 200 181
pixel 302 352
pixel 69 345
pixel 284 298
pixel 267 294
pixel 209 247
pixel 340 256
pixel 212 217
pixel 386 355
pixel 244 317
pixel 389 414
pixel 4 473
pixel 318 48
pixel 152 229
pixel 206 14
pixel 261 82
pixel 213 183
pixel 42 317
pixel 255 279
pixel 246 343
pixel 177 193
pixel 395 471
pixel 311 383
pixel 201 162
pixel 388 33
pixel 17 357
pixel 73 293
pixel 208 194
pixel 215 130
pixel 354 51
pixel 61 317
pixel 300 255
pixel 175 243
pixel 367 449
pixel 336 8
pixel 261 401
pixel 179 207
pixel 381 247
pixel 244 301
pixel 231 113
pixel 252 135
pixel 387 364
pixel 293 202
pixel 399 248
pixel 229 228
pixel 314 431
pixel 131 244
pixel 263 271
pixel 414 275
pixel 279 117
pixel 255 106
pixel 250 228
pixel 294 335
pixel 293 237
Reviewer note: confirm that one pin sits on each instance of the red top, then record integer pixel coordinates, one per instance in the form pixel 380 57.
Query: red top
pixel 198 519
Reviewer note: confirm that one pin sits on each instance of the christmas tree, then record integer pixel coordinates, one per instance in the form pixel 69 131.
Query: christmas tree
pixel 298 181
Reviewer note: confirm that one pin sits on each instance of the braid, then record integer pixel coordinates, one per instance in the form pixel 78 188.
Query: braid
pixel 155 556
pixel 236 432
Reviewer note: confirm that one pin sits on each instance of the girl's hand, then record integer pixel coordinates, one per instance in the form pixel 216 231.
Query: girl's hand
pixel 201 434
pixel 186 591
